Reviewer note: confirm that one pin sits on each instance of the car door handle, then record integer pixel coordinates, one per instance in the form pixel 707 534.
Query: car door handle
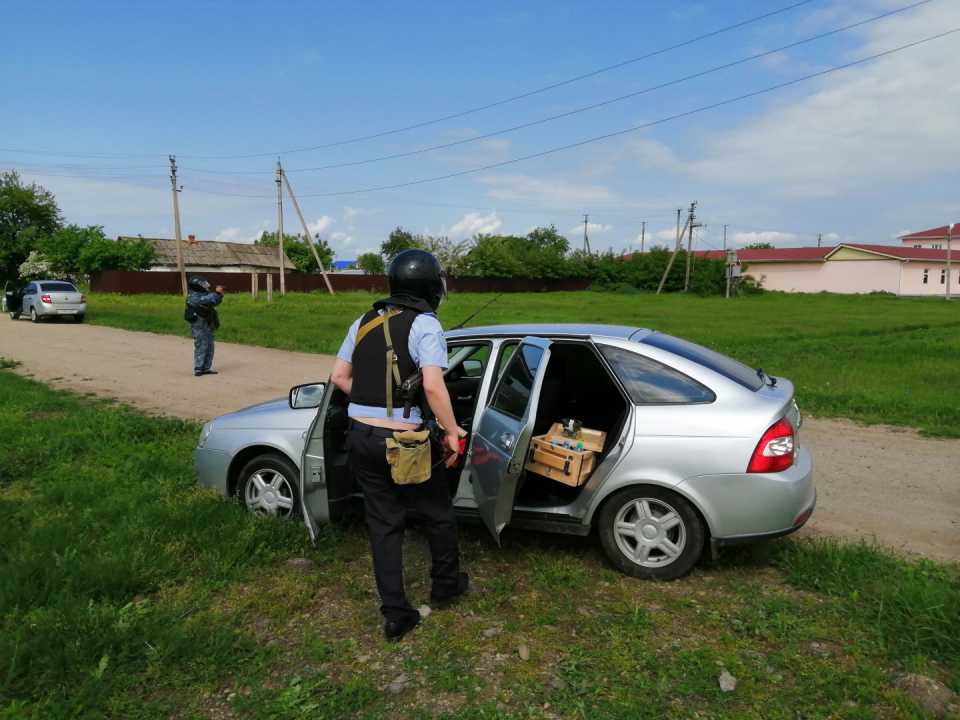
pixel 507 440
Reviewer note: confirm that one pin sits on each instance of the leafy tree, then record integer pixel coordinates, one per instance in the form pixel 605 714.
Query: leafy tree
pixel 399 241
pixel 298 250
pixel 74 251
pixel 27 214
pixel 490 256
pixel 371 263
pixel 759 246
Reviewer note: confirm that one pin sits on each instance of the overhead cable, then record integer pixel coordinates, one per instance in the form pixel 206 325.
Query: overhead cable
pixel 638 127
pixel 573 112
pixel 510 99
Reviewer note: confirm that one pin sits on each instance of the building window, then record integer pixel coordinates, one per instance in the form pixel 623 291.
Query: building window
pixel 918 246
pixel 943 277
pixel 937 247
pixel 926 276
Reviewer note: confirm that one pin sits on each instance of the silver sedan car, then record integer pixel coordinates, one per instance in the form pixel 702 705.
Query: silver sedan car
pixel 45 298
pixel 700 451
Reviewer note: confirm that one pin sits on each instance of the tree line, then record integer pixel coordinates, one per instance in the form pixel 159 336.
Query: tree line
pixel 545 253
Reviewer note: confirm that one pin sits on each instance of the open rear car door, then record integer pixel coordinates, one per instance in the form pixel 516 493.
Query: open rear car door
pixel 502 438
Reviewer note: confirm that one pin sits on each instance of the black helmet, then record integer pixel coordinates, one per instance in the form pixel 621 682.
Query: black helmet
pixel 418 273
pixel 198 284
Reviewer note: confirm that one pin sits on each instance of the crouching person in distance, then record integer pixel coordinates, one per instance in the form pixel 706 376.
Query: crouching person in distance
pixel 392 341
pixel 202 315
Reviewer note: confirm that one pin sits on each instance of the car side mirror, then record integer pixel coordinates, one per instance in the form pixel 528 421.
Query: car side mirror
pixel 307 396
pixel 472 368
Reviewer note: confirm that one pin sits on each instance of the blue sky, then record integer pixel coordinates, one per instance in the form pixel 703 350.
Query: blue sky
pixel 97 95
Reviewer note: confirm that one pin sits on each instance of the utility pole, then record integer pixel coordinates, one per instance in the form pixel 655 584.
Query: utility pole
pixel 306 231
pixel 643 235
pixel 725 241
pixel 586 240
pixel 676 250
pixel 949 238
pixel 819 237
pixel 692 224
pixel 176 224
pixel 283 286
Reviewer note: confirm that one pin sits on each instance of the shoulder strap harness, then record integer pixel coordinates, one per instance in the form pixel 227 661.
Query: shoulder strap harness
pixel 393 369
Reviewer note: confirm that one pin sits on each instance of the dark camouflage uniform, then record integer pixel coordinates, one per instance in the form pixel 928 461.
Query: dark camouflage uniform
pixel 201 331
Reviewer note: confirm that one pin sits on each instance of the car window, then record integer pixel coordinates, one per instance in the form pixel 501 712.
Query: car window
pixel 472 359
pixel 506 352
pixel 513 392
pixel 30 288
pixel 726 366
pixel 58 287
pixel 650 382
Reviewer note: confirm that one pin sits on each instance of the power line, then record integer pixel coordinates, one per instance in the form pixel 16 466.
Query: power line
pixel 515 97
pixel 641 127
pixel 578 110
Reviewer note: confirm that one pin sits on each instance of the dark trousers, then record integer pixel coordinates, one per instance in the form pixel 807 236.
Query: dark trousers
pixel 386 506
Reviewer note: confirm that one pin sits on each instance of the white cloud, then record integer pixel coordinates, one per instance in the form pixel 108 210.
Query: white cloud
pixel 351 213
pixel 592 229
pixel 320 225
pixel 342 237
pixel 485 152
pixel 238 235
pixel 548 191
pixel 768 236
pixel 830 237
pixel 472 224
pixel 891 119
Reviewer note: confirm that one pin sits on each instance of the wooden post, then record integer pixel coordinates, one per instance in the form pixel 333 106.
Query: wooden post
pixel 306 232
pixel 254 285
pixel 269 287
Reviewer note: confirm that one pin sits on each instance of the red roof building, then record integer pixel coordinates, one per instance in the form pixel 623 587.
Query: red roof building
pixel 851 268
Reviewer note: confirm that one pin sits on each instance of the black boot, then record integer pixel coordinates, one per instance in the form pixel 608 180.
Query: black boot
pixel 439 599
pixel 394 631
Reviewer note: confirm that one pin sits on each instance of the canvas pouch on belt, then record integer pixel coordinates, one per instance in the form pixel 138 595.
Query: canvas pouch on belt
pixel 408 453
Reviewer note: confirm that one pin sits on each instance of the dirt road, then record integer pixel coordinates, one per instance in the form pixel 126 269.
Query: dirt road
pixel 872 481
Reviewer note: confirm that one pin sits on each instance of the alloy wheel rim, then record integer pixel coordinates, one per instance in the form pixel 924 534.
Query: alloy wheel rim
pixel 650 532
pixel 269 492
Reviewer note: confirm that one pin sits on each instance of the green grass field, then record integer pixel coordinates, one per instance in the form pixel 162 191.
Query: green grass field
pixel 874 358
pixel 127 591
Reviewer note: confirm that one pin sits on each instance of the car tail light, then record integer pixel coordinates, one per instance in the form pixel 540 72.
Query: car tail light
pixel 775 451
pixel 83 298
pixel 45 299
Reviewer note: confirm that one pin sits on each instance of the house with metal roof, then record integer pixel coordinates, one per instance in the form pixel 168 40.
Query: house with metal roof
pixel 201 256
pixel 935 239
pixel 851 268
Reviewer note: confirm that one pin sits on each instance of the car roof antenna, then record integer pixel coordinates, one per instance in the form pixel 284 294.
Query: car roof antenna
pixel 458 327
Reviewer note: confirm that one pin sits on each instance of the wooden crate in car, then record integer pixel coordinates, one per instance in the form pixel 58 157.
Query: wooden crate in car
pixel 569 466
pixel 591 439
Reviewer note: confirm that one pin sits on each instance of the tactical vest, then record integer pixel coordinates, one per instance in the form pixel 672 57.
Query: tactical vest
pixel 370 361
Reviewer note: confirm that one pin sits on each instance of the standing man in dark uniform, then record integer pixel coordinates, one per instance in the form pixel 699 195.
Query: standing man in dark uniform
pixel 414 337
pixel 202 315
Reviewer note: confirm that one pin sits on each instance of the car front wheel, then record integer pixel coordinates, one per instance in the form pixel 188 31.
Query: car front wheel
pixel 268 485
pixel 33 315
pixel 651 532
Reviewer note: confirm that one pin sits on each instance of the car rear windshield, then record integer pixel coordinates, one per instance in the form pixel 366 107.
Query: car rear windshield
pixel 728 367
pixel 58 287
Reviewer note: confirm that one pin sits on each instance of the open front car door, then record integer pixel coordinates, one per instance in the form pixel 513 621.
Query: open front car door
pixel 502 438
pixel 314 494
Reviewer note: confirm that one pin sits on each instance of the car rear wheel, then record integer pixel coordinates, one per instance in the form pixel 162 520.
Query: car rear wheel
pixel 268 485
pixel 651 532
pixel 33 315
pixel 79 318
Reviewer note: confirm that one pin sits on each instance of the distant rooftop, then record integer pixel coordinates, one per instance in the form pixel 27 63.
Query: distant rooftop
pixel 217 254
pixel 936 233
